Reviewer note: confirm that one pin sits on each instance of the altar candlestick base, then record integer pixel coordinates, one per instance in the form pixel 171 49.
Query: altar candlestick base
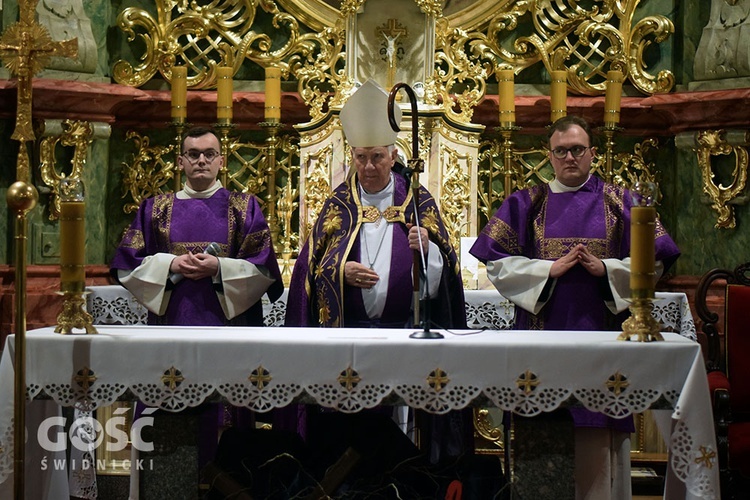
pixel 641 325
pixel 73 315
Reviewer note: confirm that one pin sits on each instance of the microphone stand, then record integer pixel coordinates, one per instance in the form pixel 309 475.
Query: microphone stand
pixel 415 167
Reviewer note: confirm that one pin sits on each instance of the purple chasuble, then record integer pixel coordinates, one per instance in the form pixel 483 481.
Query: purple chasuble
pixel 539 224
pixel 317 293
pixel 166 224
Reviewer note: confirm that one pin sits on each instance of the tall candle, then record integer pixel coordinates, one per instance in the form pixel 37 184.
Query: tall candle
pixel 72 236
pixel 224 93
pixel 612 98
pixel 506 97
pixel 642 250
pixel 273 94
pixel 179 93
pixel 558 95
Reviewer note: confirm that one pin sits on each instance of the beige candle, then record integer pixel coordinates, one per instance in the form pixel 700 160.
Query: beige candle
pixel 224 93
pixel 558 95
pixel 273 94
pixel 506 97
pixel 72 246
pixel 179 93
pixel 642 249
pixel 612 98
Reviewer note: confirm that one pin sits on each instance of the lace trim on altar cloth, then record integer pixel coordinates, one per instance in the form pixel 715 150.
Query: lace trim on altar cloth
pixel 498 313
pixel 689 460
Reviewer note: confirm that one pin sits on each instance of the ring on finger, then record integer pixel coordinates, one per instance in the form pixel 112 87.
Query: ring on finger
pixel 358 280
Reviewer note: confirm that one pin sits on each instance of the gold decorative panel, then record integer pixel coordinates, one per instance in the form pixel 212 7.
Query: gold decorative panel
pixel 716 143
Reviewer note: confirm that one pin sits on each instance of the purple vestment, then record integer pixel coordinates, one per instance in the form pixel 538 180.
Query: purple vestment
pixel 166 224
pixel 317 293
pixel 539 224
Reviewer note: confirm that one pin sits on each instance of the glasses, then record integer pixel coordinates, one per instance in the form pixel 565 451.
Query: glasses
pixel 195 154
pixel 576 151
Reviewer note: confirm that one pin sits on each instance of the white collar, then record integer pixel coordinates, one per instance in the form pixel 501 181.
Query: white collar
pixel 188 192
pixel 558 187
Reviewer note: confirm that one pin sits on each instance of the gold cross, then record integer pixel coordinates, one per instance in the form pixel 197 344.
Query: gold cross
pixel 528 381
pixel 349 379
pixel 85 378
pixel 172 378
pixel 617 383
pixel 26 48
pixel 260 377
pixel 707 457
pixel 438 379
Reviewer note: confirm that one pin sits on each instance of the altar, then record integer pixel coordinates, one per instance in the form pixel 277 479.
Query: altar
pixel 528 373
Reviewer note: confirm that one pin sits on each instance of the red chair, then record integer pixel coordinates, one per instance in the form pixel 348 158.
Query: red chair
pixel 728 367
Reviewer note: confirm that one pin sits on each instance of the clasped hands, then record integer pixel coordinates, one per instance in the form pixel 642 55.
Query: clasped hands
pixel 195 266
pixel 578 255
pixel 361 276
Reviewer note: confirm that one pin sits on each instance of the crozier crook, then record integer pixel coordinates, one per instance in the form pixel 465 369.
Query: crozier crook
pixel 414 168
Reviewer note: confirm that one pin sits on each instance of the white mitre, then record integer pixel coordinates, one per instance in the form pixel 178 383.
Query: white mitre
pixel 365 117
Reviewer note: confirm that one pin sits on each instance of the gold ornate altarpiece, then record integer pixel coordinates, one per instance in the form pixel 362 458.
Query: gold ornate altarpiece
pixel 450 57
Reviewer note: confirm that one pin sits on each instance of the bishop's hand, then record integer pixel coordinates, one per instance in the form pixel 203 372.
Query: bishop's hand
pixel 359 275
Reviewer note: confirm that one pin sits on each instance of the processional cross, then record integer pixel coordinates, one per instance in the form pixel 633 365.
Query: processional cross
pixel 26 48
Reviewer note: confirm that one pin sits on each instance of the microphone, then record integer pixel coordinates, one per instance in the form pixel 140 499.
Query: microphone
pixel 213 248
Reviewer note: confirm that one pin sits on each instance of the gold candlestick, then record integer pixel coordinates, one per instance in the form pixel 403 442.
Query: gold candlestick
pixel 179 93
pixel 506 98
pixel 73 258
pixel 224 89
pixel 641 323
pixel 558 95
pixel 272 129
pixel 273 94
pixel 612 98
pixel 509 170
pixel 224 127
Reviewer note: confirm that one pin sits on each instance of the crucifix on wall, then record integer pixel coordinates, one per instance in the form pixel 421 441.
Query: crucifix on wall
pixel 391 48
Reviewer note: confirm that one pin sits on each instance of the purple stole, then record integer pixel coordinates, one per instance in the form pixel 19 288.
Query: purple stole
pixel 167 224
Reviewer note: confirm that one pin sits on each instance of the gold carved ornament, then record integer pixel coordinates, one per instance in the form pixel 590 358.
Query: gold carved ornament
pixel 149 173
pixel 76 134
pixel 225 31
pixel 586 43
pixel 456 194
pixel 714 143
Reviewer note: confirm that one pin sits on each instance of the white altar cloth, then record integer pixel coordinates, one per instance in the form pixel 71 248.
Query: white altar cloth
pixel 115 305
pixel 352 369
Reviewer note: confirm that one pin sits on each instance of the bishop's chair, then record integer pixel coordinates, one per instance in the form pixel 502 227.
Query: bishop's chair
pixel 728 367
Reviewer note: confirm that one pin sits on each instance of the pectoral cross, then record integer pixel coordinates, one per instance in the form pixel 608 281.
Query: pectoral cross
pixel 26 48
pixel 391 32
